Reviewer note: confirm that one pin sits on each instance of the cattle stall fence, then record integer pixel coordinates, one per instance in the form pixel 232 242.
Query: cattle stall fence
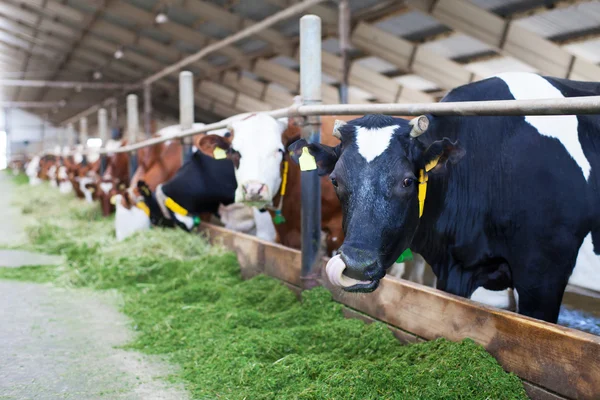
pixel 554 362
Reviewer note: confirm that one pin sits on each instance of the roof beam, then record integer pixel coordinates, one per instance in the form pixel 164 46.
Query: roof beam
pixel 234 23
pixel 65 84
pixel 410 57
pixel 176 31
pixel 508 38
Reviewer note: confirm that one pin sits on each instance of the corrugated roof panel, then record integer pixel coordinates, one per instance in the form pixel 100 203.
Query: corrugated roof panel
pixel 415 82
pixel 255 9
pixel 217 59
pixel 214 30
pixel 408 23
pixel 286 62
pixel 287 28
pixel 147 5
pixel 353 91
pixel 82 5
pixel 155 34
pixel 492 4
pixel 590 50
pixel 250 75
pixel 251 45
pixel 498 65
pixel 377 64
pixel 119 20
pixel 328 79
pixel 563 20
pixel 457 45
pixel 185 47
pixel 356 5
pixel 181 16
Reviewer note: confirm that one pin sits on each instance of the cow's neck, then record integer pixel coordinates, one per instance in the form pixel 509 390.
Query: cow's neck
pixel 428 240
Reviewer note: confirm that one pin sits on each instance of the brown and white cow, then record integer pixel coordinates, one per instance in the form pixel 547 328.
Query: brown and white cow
pixel 258 147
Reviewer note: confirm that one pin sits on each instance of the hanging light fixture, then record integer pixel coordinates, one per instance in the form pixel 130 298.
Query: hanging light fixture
pixel 119 53
pixel 97 75
pixel 162 17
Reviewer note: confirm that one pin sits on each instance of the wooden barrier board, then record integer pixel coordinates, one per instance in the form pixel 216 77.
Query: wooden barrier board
pixel 556 362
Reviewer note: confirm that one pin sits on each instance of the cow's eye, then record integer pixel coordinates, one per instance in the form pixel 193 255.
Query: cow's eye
pixel 407 182
pixel 334 182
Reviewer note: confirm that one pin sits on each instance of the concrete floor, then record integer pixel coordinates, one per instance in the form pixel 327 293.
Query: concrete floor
pixel 60 343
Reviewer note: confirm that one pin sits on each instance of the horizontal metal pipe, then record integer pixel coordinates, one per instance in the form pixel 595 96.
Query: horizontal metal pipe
pixel 229 40
pixel 564 106
pixel 65 85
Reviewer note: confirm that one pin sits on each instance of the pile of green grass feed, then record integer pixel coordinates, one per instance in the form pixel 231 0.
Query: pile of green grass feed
pixel 253 339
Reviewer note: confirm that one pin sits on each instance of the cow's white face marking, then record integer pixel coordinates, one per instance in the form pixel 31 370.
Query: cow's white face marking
pixel 86 192
pixel 502 299
pixel 258 140
pixel 127 222
pixel 373 142
pixel 587 266
pixel 62 173
pixel 33 167
pixel 106 186
pixel 527 86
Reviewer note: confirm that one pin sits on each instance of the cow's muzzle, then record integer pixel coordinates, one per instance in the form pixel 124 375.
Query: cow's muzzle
pixel 256 193
pixel 363 280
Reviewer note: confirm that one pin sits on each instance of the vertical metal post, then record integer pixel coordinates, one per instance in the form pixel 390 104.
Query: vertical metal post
pixel 310 91
pixel 133 127
pixel 103 133
pixel 60 139
pixel 344 39
pixel 8 130
pixel 83 136
pixel 43 134
pixel 148 110
pixel 70 136
pixel 186 110
pixel 114 118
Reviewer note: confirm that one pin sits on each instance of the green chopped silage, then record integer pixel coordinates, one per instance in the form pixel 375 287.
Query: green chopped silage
pixel 251 339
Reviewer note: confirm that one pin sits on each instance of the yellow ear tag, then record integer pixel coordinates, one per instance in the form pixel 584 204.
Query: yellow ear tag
pixel 142 206
pixel 92 190
pixel 113 200
pixel 307 161
pixel 219 153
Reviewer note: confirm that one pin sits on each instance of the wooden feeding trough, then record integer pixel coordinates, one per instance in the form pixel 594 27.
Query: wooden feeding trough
pixel 554 362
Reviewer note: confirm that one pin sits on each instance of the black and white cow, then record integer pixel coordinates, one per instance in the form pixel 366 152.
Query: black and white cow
pixel 200 186
pixel 510 210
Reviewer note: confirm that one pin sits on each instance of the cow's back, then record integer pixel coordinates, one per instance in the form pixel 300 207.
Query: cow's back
pixel 525 183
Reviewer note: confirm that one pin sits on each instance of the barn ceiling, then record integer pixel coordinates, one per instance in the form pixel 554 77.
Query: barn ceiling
pixel 402 51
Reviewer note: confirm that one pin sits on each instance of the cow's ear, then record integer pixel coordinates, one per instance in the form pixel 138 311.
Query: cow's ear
pixel 325 157
pixel 439 152
pixel 209 143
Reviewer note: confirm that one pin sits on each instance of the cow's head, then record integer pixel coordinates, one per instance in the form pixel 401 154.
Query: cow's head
pixel 375 170
pixel 255 145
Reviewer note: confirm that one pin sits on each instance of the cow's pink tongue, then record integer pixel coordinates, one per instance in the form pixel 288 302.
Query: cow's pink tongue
pixel 335 273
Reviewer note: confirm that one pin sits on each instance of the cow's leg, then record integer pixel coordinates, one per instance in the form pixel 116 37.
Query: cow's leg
pixel 541 302
pixel 540 284
pixel 418 269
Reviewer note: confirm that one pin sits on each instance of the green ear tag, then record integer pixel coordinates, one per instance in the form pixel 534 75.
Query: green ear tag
pixel 196 220
pixel 407 255
pixel 278 219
